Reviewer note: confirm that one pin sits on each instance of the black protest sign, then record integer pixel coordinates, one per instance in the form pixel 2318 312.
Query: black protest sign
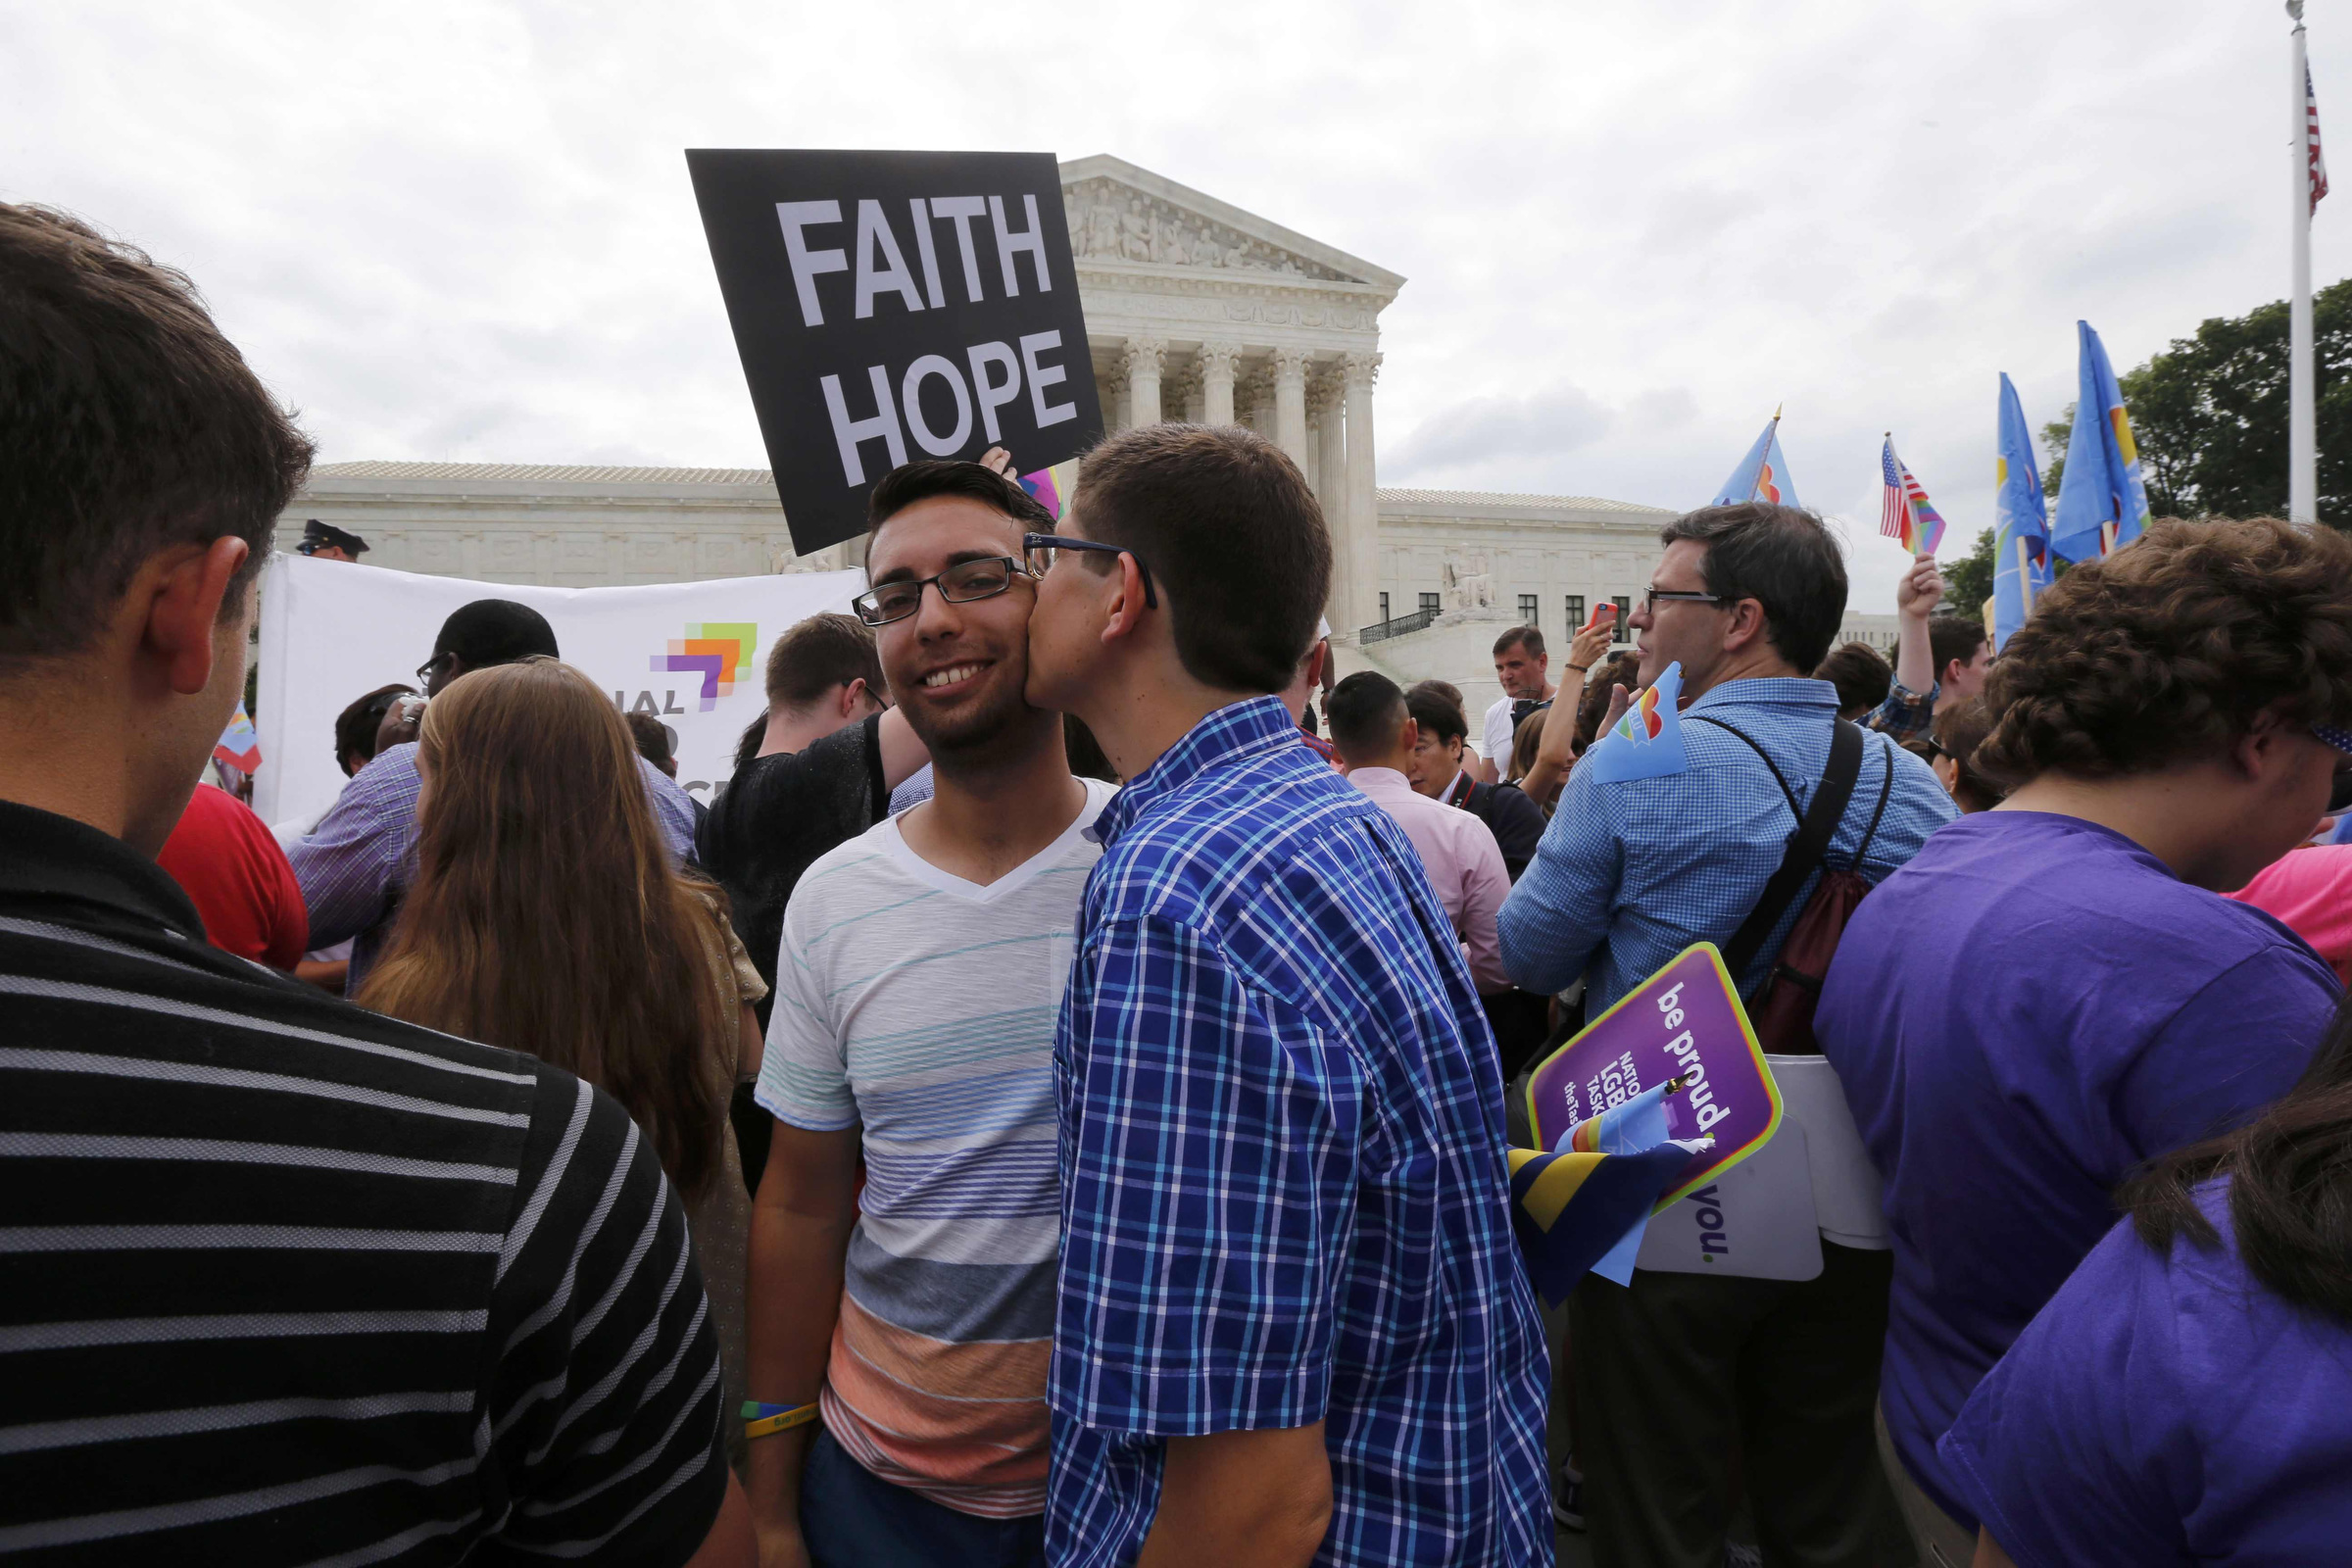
pixel 896 306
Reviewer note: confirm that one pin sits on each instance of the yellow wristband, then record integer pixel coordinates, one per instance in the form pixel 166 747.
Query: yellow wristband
pixel 763 1419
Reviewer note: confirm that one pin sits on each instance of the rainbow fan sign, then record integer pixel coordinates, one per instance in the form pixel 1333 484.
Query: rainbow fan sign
pixel 716 650
pixel 1647 741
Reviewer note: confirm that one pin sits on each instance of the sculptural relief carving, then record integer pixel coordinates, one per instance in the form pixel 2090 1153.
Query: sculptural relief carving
pixel 1110 222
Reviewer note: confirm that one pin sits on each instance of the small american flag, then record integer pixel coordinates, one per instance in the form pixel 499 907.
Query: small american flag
pixel 1904 511
pixel 2311 142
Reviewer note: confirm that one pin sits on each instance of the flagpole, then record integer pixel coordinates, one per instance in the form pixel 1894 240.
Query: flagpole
pixel 2025 581
pixel 2302 432
pixel 1756 481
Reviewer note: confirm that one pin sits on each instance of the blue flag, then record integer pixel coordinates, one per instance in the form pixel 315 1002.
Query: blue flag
pixel 2101 485
pixel 2019 517
pixel 1762 475
pixel 1647 741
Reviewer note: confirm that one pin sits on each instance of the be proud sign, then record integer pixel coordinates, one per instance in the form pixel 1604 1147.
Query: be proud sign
pixel 896 306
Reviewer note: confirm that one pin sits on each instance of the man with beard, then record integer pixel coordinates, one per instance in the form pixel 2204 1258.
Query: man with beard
pixel 922 971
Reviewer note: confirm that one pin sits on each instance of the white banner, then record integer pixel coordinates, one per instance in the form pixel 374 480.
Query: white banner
pixel 691 653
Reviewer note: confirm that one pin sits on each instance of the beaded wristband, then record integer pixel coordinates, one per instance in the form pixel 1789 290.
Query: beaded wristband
pixel 759 1420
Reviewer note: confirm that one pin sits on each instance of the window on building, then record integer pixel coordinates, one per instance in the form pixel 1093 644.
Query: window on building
pixel 1384 607
pixel 1576 613
pixel 1530 612
pixel 1625 610
pixel 1428 602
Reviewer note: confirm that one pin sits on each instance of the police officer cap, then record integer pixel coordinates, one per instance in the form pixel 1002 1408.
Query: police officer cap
pixel 316 535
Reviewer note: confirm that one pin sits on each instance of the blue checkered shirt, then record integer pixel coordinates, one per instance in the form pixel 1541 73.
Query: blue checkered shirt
pixel 1630 874
pixel 1283 1191
pixel 354 865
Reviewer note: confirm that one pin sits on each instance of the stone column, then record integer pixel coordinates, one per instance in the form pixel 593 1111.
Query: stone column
pixel 1358 564
pixel 1327 397
pixel 1290 402
pixel 1216 381
pixel 1142 361
pixel 1119 407
pixel 1182 393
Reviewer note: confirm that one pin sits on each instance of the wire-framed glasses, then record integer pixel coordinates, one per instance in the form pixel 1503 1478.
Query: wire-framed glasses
pixel 960 584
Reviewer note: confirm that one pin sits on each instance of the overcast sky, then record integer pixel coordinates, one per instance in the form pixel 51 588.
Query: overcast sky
pixel 465 230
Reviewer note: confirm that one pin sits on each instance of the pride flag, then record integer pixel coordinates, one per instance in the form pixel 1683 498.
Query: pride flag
pixel 1647 741
pixel 1051 488
pixel 1904 511
pixel 1762 475
pixel 1582 1208
pixel 2020 516
pixel 2102 484
pixel 239 745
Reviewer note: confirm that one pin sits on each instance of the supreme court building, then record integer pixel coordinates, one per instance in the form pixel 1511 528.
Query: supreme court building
pixel 1196 309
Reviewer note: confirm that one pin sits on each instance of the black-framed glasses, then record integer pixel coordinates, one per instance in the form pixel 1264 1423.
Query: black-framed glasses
pixel 433 665
pixel 1040 547
pixel 960 584
pixel 1650 600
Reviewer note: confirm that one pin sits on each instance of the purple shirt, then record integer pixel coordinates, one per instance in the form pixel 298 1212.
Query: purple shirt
pixel 2164 1409
pixel 2030 1008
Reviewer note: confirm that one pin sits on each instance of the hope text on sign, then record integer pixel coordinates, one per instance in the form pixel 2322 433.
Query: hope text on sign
pixel 896 306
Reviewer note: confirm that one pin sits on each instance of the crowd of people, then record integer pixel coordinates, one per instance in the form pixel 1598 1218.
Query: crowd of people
pixel 1053 1105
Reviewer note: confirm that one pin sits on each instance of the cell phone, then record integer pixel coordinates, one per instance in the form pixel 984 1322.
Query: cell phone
pixel 1604 611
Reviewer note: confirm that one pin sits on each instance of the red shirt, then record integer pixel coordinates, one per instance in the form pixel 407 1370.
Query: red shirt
pixel 224 858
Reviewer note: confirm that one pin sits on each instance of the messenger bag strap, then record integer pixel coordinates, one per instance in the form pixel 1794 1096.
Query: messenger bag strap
pixel 1806 844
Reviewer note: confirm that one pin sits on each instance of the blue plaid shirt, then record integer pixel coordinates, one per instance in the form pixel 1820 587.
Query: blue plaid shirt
pixel 1630 874
pixel 1283 1191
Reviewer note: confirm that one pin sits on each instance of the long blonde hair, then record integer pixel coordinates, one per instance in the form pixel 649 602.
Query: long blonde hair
pixel 545 915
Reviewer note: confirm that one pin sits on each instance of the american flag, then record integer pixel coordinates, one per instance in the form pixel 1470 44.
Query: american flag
pixel 2311 142
pixel 1904 511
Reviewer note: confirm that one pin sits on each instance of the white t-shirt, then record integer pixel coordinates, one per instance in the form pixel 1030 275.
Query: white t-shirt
pixel 920 1009
pixel 1495 737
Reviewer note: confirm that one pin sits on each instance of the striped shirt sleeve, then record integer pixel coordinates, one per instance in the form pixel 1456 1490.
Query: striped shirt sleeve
pixel 804 1075
pixel 601 1424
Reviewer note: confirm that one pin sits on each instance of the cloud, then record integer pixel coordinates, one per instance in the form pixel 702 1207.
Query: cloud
pixel 1541 425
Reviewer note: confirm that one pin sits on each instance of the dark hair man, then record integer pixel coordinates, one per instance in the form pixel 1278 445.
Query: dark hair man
pixel 1436 771
pixel 1747 599
pixel 914 1039
pixel 286 1281
pixel 1377 738
pixel 2049 994
pixel 323 541
pixel 1525 671
pixel 1236 1376
pixel 1963 656
pixel 357 726
pixel 354 863
pixel 1862 676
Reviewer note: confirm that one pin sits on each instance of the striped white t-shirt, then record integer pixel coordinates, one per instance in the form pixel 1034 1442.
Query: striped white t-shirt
pixel 920 1009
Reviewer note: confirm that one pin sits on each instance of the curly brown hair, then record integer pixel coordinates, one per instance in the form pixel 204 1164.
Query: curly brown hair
pixel 2172 647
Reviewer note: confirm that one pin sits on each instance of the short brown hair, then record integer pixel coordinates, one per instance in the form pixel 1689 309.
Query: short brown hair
pixel 1232 536
pixel 128 424
pixel 2170 647
pixel 818 656
pixel 1530 638
pixel 1618 669
pixel 1860 673
pixel 1780 556
pixel 1955 636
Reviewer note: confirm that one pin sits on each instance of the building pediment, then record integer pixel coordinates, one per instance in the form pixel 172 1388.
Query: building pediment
pixel 1124 218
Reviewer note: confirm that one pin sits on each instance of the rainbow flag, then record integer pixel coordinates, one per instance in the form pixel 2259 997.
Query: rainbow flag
pixel 1904 511
pixel 239 745
pixel 1582 1208
pixel 1051 488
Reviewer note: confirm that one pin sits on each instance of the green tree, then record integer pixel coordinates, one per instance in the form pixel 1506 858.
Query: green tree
pixel 2209 415
pixel 1968 581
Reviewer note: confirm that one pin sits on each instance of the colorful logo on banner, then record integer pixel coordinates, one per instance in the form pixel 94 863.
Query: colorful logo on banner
pixel 716 650
pixel 1683 1023
pixel 239 745
pixel 1641 723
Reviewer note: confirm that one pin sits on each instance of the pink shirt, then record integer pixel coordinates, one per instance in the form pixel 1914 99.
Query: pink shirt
pixel 2309 893
pixel 1463 862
